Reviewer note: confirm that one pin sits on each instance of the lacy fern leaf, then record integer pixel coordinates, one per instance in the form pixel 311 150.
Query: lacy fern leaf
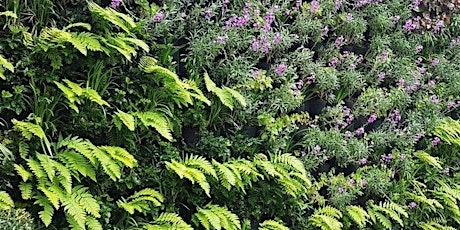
pixel 140 201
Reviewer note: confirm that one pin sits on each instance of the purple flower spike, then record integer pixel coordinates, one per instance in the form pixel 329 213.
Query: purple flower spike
pixel 115 3
pixel 364 183
pixel 340 190
pixel 435 141
pixel 372 118
pixel 412 205
pixel 360 131
pixel 281 69
pixel 158 17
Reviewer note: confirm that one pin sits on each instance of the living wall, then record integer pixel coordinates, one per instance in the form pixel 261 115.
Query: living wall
pixel 181 114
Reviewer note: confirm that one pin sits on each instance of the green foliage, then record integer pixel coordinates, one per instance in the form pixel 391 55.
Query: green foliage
pixel 140 202
pixel 168 221
pixel 327 218
pixel 5 64
pixel 384 212
pixel 74 93
pixel 17 219
pixel 449 131
pixel 226 95
pixel 5 201
pixel 272 225
pixel 216 217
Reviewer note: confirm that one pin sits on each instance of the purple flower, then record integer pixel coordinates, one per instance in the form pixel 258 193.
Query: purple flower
pixel 402 157
pixel 256 74
pixel 409 25
pixel 277 38
pixel 446 171
pixel 316 149
pixel 435 141
pixel 348 134
pixel 434 99
pixel 158 17
pixel 395 19
pixel 338 4
pixel 412 205
pixel 255 45
pixel 364 183
pixel 208 14
pixel 384 55
pixel 339 41
pixel 298 4
pixel 360 131
pixel 418 49
pixel 381 76
pixel 303 153
pixel 324 31
pixel 222 39
pixel 362 161
pixel 281 69
pixel 372 118
pixel 395 116
pixel 431 83
pixel 416 3
pixel 418 136
pixel 346 111
pixel 314 6
pixel 435 62
pixel 334 62
pixel 340 190
pixel 450 105
pixel 349 17
pixel 115 3
pixel 350 119
pixel 351 182
pixel 225 5
pixel 400 82
pixel 438 26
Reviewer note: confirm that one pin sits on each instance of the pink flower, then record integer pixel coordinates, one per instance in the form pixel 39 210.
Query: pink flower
pixel 158 17
pixel 338 4
pixel 222 39
pixel 281 69
pixel 339 41
pixel 277 39
pixel 431 83
pixel 434 99
pixel 372 118
pixel 435 141
pixel 395 19
pixel 435 62
pixel 381 76
pixel 334 62
pixel 400 82
pixel 412 205
pixel 208 14
pixel 324 31
pixel 314 6
pixel 418 49
pixel 362 161
pixel 360 131
pixel 349 17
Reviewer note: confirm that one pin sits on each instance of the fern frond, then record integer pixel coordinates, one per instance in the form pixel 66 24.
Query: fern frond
pixel 448 130
pixel 126 118
pixel 226 176
pixel 5 64
pixel 216 217
pixel 358 215
pixel 120 155
pixel 25 175
pixel 5 201
pixel 78 163
pixel 93 223
pixel 121 20
pixel 46 215
pixel 10 14
pixel 272 225
pixel 26 190
pixel 157 121
pixel 291 161
pixel 426 158
pixel 28 129
pixel 139 201
pixel 109 165
pixel 201 163
pixel 168 221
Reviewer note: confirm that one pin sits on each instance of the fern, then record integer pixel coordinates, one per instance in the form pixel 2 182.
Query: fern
pixel 140 201
pixel 326 218
pixel 226 95
pixel 5 64
pixel 168 221
pixel 74 93
pixel 121 20
pixel 426 158
pixel 126 118
pixel 5 201
pixel 272 225
pixel 384 211
pixel 191 173
pixel 157 121
pixel 216 217
pixel 358 215
pixel 448 130
pixel 28 129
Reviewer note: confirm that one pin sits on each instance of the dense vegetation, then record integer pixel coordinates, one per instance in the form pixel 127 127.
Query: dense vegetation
pixel 182 114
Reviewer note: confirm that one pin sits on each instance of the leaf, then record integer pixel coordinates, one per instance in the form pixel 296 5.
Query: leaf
pixel 8 14
pixel 157 121
pixel 127 119
pixel 5 201
pixel 25 175
pixel 426 158
pixel 26 190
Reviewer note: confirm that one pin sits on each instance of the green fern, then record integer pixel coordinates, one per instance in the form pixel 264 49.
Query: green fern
pixel 120 20
pixel 216 217
pixel 430 160
pixel 435 226
pixel 448 130
pixel 327 218
pixel 358 215
pixel 5 201
pixel 226 95
pixel 168 221
pixel 156 120
pixel 74 93
pixel 384 212
pixel 5 64
pixel 125 118
pixel 140 201
pixel 272 225
pixel 191 173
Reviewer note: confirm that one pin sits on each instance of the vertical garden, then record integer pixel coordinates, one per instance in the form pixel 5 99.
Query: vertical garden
pixel 232 115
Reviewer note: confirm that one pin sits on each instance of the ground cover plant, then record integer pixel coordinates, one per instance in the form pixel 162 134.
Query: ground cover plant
pixel 180 114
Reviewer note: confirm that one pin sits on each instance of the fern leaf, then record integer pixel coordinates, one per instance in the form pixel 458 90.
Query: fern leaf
pixel 25 175
pixel 138 201
pixel 109 166
pixel 127 119
pixel 358 215
pixel 235 94
pixel 26 190
pixel 157 121
pixel 10 14
pixel 173 220
pixel 46 215
pixel 291 161
pixel 28 129
pixel 123 21
pixel 72 207
pixel 87 26
pixel 272 225
pixel 426 158
pixel 120 155
pixel 36 168
pixel 48 165
pixel 5 201
pixel 78 163
pixel 201 163
pixel 94 96
pixel 226 176
pixel 93 224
